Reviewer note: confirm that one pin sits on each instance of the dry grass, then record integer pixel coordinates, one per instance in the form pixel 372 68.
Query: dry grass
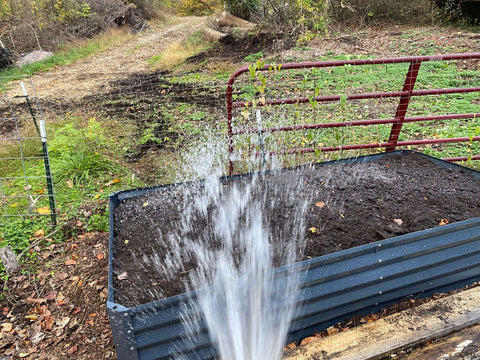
pixel 175 54
pixel 106 40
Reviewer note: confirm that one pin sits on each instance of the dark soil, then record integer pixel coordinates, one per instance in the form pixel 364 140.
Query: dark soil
pixel 347 205
pixel 237 50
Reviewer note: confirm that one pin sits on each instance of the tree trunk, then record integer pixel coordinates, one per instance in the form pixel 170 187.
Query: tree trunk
pixel 227 19
pixel 214 35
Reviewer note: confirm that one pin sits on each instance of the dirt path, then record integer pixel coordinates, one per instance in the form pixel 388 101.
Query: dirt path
pixel 90 75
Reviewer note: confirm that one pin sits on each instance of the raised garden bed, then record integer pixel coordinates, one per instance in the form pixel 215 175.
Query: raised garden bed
pixel 378 228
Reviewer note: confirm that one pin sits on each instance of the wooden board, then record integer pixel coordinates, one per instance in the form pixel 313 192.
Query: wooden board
pixel 391 334
pixel 463 344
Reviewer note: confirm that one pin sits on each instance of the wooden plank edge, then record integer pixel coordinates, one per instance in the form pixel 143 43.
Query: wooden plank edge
pixel 393 333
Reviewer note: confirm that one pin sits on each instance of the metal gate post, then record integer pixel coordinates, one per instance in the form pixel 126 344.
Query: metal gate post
pixel 402 108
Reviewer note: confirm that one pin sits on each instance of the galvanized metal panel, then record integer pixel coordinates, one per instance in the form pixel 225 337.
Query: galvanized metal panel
pixel 334 287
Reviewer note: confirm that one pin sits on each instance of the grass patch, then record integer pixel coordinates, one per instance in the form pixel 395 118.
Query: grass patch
pixel 177 52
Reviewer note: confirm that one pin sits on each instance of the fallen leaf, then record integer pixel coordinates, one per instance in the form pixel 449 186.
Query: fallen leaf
pixel 313 230
pixel 36 301
pixel 43 210
pixel 32 317
pixel 93 315
pixel 70 262
pixel 104 293
pixel 62 276
pixel 39 233
pixel 76 310
pixel 320 204
pixel 369 318
pixel 48 323
pixel 398 221
pixel 110 183
pixel 70 184
pixel 73 349
pixel 23 355
pixel 6 326
pixel 100 256
pixel 50 296
pixel 145 204
pixel 307 340
pixel 443 222
pixel 62 322
pixel 332 330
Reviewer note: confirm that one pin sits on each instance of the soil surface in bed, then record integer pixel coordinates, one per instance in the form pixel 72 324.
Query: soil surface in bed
pixel 345 205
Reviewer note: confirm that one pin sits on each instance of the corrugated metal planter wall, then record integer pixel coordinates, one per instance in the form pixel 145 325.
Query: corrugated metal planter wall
pixel 336 286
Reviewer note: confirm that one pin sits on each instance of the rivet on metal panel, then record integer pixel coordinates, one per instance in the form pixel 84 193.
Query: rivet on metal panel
pixel 381 277
pixel 132 348
pixel 380 260
pixel 379 245
pixel 129 331
pixel 126 314
pixel 379 293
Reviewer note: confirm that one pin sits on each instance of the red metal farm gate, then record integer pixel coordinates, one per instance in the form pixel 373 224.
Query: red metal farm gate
pixel 319 98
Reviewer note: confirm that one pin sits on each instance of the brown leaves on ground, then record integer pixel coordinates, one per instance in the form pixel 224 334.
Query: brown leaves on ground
pixel 59 312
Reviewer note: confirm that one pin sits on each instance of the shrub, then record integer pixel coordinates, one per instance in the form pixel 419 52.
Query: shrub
pixel 364 11
pixel 78 154
pixel 244 9
pixel 199 7
pixel 452 11
pixel 33 24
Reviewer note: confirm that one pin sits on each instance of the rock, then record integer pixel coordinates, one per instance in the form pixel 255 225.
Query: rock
pixel 9 259
pixel 34 56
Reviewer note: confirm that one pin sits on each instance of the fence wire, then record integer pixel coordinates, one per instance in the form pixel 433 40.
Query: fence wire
pixel 26 187
pixel 148 115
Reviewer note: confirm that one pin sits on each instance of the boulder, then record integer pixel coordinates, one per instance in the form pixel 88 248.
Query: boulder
pixel 34 56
